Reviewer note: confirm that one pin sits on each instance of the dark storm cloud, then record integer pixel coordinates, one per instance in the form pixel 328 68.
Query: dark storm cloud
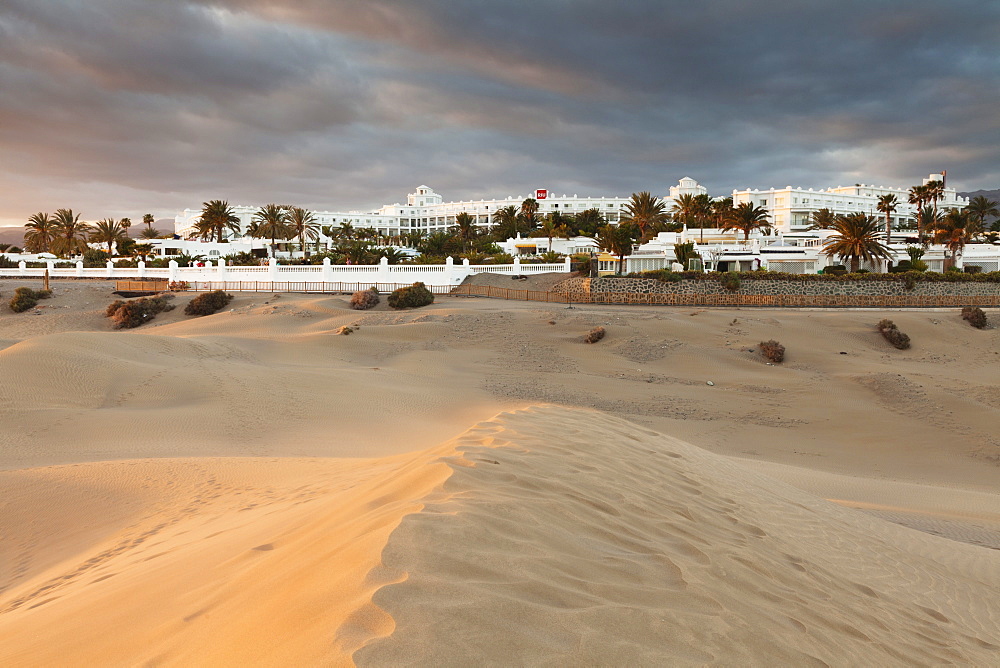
pixel 118 106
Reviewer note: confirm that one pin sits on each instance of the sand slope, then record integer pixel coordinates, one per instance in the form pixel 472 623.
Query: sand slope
pixel 571 537
pixel 211 562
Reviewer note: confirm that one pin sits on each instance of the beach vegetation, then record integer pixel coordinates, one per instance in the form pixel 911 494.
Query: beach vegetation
pixel 772 351
pixel 413 296
pixel 208 303
pixel 132 313
pixel 362 300
pixel 887 328
pixel 594 335
pixel 975 316
pixel 731 281
pixel 27 298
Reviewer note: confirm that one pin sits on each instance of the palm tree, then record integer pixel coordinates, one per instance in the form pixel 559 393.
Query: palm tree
pixel 720 210
pixel 141 251
pixel 747 218
pixel 271 222
pixel 465 227
pixel 110 232
pixel 70 233
pixel 887 205
pixel 644 211
pixel 148 220
pixel 506 223
pixel 216 218
pixel 529 213
pixel 39 232
pixel 150 233
pixel 618 240
pixel 979 208
pixel 589 222
pixel 917 197
pixel 822 219
pixel 935 192
pixel 927 221
pixel 856 238
pixel 554 225
pixel 685 209
pixel 393 255
pixel 954 230
pixel 304 226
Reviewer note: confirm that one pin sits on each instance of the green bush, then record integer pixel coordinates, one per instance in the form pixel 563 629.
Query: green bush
pixel 975 316
pixel 973 269
pixel 731 281
pixel 772 351
pixel 887 328
pixel 362 300
pixel 26 298
pixel 134 312
pixel 414 296
pixel 208 303
pixel 7 263
pixel 953 268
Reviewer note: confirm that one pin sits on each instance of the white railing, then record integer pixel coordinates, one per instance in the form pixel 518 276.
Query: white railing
pixel 442 276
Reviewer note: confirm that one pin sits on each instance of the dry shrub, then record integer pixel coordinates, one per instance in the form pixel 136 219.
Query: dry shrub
pixel 208 303
pixel 135 312
pixel 892 334
pixel 772 351
pixel 362 300
pixel 975 316
pixel 179 286
pixel 414 296
pixel 344 330
pixel 26 298
pixel 594 335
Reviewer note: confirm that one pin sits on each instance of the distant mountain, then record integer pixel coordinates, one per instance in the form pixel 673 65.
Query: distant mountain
pixel 988 194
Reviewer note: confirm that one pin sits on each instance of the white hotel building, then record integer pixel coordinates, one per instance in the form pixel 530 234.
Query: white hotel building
pixel 425 210
pixel 790 208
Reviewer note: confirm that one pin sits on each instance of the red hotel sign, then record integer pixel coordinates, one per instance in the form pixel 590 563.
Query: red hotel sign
pixel 541 194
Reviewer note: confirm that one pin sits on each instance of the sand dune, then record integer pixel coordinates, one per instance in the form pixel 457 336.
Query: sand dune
pixel 572 537
pixel 251 488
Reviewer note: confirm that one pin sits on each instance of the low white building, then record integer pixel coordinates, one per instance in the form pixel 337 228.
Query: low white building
pixel 521 246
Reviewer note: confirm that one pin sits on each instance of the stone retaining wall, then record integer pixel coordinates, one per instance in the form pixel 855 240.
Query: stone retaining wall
pixel 811 288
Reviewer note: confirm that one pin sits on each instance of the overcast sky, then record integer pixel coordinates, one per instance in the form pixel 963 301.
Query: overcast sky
pixel 121 107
